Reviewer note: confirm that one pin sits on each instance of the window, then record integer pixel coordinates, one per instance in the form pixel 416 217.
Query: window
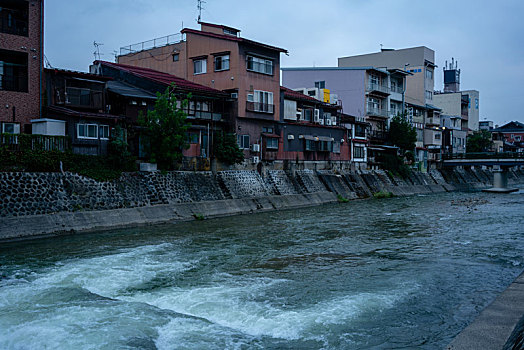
pixel 272 143
pixel 429 95
pixel 476 103
pixel 11 128
pixel 320 84
pixel 437 136
pixel 259 65
pixel 374 79
pixel 336 147
pixel 325 146
pixel 14 17
pixel 310 145
pixel 104 132
pixel 176 57
pixel 260 101
pixel 221 63
pixel 243 141
pixel 13 71
pixel 87 131
pixel 267 130
pixel 429 73
pixel 517 138
pixel 358 152
pixel 373 104
pixel 307 114
pixel 200 66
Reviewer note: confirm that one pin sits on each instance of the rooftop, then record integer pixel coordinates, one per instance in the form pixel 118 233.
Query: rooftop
pixel 163 78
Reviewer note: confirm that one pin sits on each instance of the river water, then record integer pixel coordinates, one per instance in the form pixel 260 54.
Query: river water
pixel 391 273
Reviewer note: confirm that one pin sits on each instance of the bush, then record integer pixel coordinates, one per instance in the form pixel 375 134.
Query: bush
pixel 383 194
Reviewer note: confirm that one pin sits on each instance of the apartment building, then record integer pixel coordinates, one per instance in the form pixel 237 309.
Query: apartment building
pixel 218 57
pixel 419 61
pixel 21 59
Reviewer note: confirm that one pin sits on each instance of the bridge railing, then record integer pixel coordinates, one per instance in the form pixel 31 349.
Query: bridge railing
pixel 483 155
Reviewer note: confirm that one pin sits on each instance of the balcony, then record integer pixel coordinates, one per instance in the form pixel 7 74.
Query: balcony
pixel 378 88
pixel 378 135
pixel 433 121
pixel 260 107
pixel 84 98
pixel 397 89
pixel 378 112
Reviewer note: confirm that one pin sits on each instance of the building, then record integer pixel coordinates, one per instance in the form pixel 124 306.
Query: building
pixel 424 115
pixel 217 56
pixel 76 106
pixel 132 91
pixel 310 130
pixel 21 62
pixel 370 95
pixel 511 135
pixel 486 125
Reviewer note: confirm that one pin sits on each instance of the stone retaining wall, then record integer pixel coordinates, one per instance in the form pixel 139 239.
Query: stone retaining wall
pixel 24 195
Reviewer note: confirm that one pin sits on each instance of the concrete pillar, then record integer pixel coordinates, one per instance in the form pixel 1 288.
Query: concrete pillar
pixel 500 181
pixel 500 178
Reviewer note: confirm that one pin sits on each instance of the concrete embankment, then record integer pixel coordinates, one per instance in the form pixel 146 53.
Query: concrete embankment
pixel 499 326
pixel 43 204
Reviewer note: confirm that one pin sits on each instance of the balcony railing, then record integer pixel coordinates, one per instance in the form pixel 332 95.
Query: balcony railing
pixel 378 88
pixel 397 89
pixel 381 112
pixel 259 107
pixel 86 98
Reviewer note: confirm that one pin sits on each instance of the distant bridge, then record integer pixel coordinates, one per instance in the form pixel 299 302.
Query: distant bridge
pixel 500 162
pixel 504 160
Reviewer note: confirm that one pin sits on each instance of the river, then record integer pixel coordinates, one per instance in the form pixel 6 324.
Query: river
pixel 397 273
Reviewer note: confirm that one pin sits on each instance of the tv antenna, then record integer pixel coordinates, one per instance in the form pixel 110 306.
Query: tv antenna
pixel 200 8
pixel 97 50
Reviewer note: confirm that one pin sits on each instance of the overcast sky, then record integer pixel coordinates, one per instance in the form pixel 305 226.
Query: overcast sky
pixel 485 36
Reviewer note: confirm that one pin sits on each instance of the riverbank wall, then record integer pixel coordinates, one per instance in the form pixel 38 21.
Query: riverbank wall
pixel 42 204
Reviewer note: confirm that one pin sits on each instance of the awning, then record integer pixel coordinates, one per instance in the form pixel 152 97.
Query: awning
pixel 318 138
pixel 325 138
pixel 274 136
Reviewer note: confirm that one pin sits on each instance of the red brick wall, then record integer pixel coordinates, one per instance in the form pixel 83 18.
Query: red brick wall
pixel 27 104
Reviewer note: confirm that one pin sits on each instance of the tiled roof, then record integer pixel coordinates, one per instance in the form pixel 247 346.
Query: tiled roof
pixel 232 38
pixel 72 112
pixel 163 78
pixel 76 74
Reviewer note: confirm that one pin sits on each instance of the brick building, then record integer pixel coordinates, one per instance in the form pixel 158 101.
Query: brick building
pixel 21 62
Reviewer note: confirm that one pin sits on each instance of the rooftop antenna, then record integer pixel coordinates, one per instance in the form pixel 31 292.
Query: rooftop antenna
pixel 97 50
pixel 200 8
pixel 47 63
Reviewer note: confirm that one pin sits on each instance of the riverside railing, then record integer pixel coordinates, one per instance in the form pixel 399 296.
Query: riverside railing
pixel 26 142
pixel 484 155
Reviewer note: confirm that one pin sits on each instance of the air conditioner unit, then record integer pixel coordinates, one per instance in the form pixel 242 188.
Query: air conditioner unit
pixel 328 122
pixel 299 115
pixel 255 160
pixel 234 95
pixel 255 147
pixel 316 116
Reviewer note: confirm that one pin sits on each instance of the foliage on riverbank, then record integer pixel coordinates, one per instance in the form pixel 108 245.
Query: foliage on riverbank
pixel 383 194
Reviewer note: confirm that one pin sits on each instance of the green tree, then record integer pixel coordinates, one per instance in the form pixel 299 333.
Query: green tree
pixel 480 141
pixel 227 150
pixel 165 129
pixel 118 149
pixel 402 134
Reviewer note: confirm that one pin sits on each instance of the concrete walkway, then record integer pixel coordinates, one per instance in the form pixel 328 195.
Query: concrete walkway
pixel 497 323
